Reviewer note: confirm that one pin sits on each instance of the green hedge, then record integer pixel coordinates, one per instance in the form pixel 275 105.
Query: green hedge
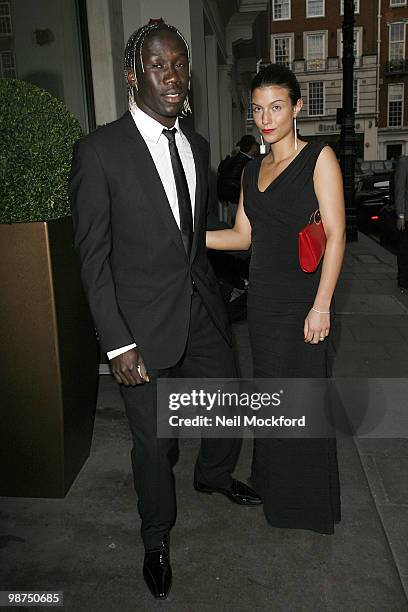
pixel 37 134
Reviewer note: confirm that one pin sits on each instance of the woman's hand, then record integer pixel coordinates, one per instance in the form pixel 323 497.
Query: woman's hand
pixel 317 327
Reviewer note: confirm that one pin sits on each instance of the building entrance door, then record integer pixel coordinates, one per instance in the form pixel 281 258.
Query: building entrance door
pixel 394 151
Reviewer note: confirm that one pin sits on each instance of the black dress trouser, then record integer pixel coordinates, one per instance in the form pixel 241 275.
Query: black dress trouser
pixel 207 355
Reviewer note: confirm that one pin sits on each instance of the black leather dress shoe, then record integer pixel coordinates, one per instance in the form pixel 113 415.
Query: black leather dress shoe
pixel 239 492
pixel 157 569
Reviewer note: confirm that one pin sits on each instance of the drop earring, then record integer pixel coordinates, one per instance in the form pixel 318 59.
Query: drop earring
pixel 131 99
pixel 186 110
pixel 295 130
pixel 131 92
pixel 262 148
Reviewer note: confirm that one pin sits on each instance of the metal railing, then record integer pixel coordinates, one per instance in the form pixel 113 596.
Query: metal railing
pixel 396 66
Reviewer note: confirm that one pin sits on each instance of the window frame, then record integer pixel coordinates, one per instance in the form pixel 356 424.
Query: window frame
pixel 9 16
pixel 359 31
pixel 306 35
pixel 14 68
pixel 323 97
pixel 356 82
pixel 390 85
pixel 282 18
pixel 291 37
pixel 403 23
pixel 356 7
pixel 315 16
pixel 401 3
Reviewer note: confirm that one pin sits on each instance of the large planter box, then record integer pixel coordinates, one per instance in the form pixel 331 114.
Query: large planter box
pixel 48 357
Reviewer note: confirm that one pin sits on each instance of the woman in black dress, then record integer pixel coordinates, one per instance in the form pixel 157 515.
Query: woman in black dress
pixel 288 309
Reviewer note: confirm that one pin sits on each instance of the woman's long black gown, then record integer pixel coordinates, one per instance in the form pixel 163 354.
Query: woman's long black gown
pixel 297 478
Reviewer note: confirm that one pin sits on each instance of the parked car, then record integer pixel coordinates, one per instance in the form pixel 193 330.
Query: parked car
pixel 372 191
pixel 375 166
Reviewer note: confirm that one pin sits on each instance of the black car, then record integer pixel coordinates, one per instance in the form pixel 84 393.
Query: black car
pixel 372 192
pixel 387 225
pixel 375 166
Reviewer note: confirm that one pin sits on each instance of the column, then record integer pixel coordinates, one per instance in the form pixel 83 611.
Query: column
pixel 107 47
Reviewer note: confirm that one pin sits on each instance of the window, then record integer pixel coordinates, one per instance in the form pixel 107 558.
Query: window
pixel 5 19
pixel 395 103
pixel 358 42
pixel 281 9
pixel 356 6
pixel 250 113
pixel 314 8
pixel 282 49
pixel 316 98
pixel 315 50
pixel 355 95
pixel 356 91
pixel 397 41
pixel 7 65
pixel 398 2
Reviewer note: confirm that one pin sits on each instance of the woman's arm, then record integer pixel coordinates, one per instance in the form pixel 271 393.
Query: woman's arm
pixel 328 183
pixel 237 238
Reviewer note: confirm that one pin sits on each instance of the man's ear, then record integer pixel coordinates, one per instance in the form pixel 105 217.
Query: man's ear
pixel 131 79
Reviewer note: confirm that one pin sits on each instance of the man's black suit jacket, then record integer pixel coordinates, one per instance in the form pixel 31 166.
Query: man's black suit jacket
pixel 134 268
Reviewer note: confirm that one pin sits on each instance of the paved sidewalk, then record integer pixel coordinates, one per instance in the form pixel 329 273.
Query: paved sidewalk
pixel 226 558
pixel 373 342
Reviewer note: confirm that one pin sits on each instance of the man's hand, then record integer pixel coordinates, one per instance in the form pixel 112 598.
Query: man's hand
pixel 129 368
pixel 401 224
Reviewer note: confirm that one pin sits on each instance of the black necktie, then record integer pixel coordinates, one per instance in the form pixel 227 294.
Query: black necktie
pixel 183 194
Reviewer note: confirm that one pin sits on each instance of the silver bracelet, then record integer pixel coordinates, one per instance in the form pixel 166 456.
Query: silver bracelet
pixel 321 311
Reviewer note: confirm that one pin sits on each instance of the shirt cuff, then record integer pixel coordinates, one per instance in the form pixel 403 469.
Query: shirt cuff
pixel 119 351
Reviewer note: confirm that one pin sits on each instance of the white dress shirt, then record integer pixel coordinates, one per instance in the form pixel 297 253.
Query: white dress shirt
pixel 158 145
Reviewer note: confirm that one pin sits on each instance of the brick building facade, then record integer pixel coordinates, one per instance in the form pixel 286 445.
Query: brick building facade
pixel 393 78
pixel 307 36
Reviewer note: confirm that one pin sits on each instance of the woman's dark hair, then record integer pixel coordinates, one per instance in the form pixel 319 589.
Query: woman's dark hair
pixel 278 74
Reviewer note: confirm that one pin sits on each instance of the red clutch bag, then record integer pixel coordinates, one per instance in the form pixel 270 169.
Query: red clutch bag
pixel 312 243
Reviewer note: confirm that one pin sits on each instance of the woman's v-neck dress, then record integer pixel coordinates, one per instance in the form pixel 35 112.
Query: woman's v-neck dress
pixel 297 478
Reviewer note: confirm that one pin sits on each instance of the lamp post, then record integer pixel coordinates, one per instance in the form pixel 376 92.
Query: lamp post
pixel 347 135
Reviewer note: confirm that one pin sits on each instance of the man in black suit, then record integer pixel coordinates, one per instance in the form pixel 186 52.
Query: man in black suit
pixel 138 192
